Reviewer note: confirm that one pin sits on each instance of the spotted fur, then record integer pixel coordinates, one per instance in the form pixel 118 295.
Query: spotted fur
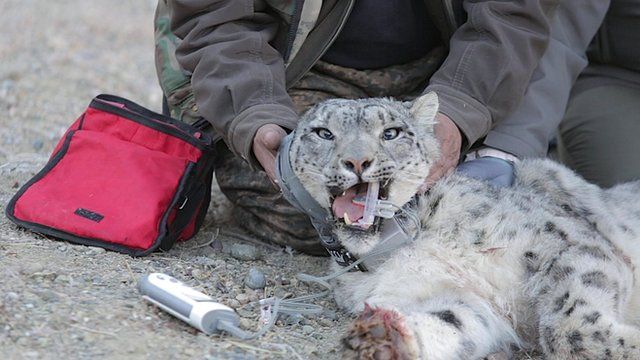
pixel 546 263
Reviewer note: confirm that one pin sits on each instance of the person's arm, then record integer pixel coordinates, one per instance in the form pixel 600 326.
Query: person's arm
pixel 484 76
pixel 490 62
pixel 527 131
pixel 237 76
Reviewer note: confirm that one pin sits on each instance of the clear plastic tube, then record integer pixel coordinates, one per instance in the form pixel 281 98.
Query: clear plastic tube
pixel 370 203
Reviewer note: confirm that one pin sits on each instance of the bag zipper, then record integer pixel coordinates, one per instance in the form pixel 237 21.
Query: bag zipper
pixel 326 46
pixel 293 28
pixel 168 127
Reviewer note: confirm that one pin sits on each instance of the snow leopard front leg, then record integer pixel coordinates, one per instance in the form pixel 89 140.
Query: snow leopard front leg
pixel 449 326
pixel 581 300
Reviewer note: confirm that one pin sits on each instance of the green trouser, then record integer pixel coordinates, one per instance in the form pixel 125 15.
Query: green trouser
pixel 259 207
pixel 598 137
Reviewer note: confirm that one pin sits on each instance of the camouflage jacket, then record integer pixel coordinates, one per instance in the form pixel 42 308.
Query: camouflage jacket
pixel 231 61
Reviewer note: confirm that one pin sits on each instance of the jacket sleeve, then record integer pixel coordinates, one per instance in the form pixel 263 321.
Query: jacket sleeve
pixel 526 132
pixel 490 62
pixel 237 77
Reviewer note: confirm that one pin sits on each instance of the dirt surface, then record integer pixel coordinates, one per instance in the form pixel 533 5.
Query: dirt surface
pixel 64 301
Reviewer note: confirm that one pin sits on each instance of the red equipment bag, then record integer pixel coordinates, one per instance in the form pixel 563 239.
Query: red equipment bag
pixel 123 178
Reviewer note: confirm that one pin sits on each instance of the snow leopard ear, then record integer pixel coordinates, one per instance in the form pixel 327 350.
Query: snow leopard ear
pixel 424 110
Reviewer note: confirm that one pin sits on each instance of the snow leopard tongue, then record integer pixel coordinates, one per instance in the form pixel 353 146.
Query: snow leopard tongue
pixel 344 204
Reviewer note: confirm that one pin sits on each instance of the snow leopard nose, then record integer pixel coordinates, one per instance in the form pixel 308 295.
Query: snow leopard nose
pixel 357 166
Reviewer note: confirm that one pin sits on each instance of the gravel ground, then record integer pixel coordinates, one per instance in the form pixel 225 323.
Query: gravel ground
pixel 64 301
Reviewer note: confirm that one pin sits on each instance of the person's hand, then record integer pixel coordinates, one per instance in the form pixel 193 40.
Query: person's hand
pixel 265 148
pixel 450 140
pixel 498 172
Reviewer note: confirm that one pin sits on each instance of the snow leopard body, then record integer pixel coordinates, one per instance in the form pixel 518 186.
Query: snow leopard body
pixel 548 263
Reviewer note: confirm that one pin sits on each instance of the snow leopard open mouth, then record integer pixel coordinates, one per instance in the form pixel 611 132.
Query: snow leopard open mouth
pixel 349 206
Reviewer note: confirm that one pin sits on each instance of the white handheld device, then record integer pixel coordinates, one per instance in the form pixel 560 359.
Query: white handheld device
pixel 186 303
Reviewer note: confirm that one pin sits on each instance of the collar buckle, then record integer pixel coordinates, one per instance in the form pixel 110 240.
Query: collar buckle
pixel 345 258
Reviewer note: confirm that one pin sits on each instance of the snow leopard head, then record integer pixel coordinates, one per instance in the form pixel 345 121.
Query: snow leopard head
pixel 341 145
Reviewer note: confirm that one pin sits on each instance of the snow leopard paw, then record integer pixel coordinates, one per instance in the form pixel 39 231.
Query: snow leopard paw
pixel 379 333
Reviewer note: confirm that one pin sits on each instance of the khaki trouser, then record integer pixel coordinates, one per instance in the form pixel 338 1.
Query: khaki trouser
pixel 598 137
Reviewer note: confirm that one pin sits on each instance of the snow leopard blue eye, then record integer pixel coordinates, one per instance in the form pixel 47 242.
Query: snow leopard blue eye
pixel 391 133
pixel 324 133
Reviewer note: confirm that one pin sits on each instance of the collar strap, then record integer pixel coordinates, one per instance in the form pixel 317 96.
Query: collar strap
pixel 392 236
pixel 297 195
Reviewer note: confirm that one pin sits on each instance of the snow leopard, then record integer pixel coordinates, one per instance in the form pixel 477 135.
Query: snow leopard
pixel 546 264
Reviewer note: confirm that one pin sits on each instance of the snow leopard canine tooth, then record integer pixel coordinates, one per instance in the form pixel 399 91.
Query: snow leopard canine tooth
pixel 346 219
pixel 379 334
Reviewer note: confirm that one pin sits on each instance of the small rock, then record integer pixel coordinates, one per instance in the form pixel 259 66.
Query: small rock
pixel 307 329
pixel 244 252
pixel 48 296
pixel 246 324
pixel 96 251
pixel 31 268
pixel 325 322
pixel 216 246
pixel 199 274
pixel 189 352
pixel 244 313
pixel 44 275
pixel 281 293
pixel 233 292
pixel 37 144
pixel 255 279
pixel 11 296
pixel 7 87
pixel 62 279
pixel 203 260
pixel 242 298
pixel 44 343
pixel 292 319
pixel 233 303
pixel 32 354
pixel 218 263
pixel 62 248
pixel 330 314
pixel 208 252
pixel 255 295
pixel 220 286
